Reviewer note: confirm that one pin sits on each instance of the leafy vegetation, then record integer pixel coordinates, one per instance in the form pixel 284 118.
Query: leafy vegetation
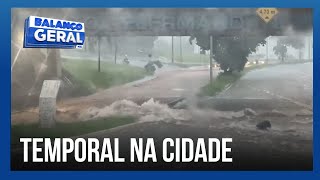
pixel 280 50
pixel 284 42
pixel 88 77
pixel 225 79
pixel 230 52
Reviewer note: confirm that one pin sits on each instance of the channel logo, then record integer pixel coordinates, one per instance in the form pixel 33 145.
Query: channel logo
pixel 41 32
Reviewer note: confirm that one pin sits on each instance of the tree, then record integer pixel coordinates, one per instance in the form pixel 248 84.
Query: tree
pixel 283 43
pixel 230 52
pixel 297 42
pixel 280 50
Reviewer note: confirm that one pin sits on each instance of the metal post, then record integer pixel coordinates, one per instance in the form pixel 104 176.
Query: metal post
pixel 172 53
pixel 181 50
pixel 211 54
pixel 99 58
pixel 267 49
pixel 85 46
pixel 309 48
pixel 115 52
pixel 59 63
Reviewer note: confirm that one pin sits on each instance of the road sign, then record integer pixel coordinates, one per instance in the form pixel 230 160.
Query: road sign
pixel 266 14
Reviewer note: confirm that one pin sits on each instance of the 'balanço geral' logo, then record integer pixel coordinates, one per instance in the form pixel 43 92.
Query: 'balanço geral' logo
pixel 41 32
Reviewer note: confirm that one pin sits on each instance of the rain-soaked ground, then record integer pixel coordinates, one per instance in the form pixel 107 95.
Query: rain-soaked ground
pixel 291 82
pixel 280 95
pixel 286 145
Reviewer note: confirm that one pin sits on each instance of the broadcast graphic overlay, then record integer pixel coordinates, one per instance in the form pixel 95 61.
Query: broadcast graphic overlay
pixel 52 33
pixel 162 89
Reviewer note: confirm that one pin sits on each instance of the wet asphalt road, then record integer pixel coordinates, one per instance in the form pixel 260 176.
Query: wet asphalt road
pixel 287 146
pixel 290 82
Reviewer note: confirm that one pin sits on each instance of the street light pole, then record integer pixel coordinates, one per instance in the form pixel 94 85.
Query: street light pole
pixel 99 58
pixel 181 50
pixel 267 49
pixel 309 48
pixel 172 53
pixel 115 51
pixel 211 54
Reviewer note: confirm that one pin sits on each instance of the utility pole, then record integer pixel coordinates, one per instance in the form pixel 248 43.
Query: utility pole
pixel 172 53
pixel 99 58
pixel 211 54
pixel 181 50
pixel 267 50
pixel 309 48
pixel 115 51
pixel 85 47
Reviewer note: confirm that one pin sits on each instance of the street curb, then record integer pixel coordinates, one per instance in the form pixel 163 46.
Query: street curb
pixel 140 81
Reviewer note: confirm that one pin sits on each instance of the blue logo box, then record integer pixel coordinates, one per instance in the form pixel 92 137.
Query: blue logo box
pixel 41 32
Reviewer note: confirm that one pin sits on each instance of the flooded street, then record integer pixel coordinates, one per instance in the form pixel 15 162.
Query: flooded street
pixel 242 74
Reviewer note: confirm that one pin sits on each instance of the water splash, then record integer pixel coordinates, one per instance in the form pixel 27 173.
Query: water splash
pixel 150 110
pixel 153 111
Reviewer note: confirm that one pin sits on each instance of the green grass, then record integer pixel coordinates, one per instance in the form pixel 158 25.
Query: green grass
pixel 87 75
pixel 219 84
pixel 67 129
pixel 223 80
pixel 193 58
